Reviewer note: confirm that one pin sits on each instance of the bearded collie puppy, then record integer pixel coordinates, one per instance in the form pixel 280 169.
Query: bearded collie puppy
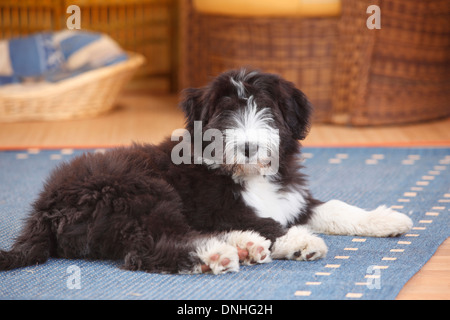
pixel 228 189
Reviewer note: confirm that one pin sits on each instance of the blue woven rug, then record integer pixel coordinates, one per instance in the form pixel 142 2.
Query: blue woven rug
pixel 412 180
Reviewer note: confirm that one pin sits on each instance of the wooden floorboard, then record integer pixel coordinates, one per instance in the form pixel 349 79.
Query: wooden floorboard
pixel 145 118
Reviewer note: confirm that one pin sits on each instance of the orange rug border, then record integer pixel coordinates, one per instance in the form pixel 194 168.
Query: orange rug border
pixel 400 144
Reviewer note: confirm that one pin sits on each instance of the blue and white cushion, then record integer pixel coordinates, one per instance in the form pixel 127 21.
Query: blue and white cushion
pixel 54 56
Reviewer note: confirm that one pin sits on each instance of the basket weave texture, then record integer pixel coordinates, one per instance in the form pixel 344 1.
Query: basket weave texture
pixel 85 95
pixel 301 50
pixel 397 74
pixel 352 75
pixel 148 27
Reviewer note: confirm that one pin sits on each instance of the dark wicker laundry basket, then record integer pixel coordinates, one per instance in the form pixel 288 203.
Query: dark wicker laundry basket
pixel 397 74
pixel 352 75
pixel 301 50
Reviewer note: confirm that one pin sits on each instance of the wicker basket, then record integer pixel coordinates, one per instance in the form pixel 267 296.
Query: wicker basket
pixel 398 74
pixel 88 94
pixel 148 27
pixel 300 49
pixel 352 75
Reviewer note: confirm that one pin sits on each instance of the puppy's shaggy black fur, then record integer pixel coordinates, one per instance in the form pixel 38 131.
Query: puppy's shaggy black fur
pixel 135 204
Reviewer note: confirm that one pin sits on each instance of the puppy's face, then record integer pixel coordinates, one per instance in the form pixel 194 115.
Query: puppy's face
pixel 260 117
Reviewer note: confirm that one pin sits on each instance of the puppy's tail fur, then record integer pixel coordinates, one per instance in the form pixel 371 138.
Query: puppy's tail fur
pixel 31 247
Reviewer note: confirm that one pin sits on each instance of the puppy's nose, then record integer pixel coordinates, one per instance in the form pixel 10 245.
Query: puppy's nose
pixel 250 149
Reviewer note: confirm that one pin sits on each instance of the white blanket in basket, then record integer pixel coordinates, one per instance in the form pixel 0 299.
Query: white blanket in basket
pixel 54 56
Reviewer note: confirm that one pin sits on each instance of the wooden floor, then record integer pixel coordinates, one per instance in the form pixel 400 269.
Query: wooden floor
pixel 145 118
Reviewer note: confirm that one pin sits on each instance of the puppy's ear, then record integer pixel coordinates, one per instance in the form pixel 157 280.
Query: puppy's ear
pixel 191 104
pixel 298 110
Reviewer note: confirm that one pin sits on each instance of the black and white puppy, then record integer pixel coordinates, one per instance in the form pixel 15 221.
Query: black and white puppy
pixel 184 206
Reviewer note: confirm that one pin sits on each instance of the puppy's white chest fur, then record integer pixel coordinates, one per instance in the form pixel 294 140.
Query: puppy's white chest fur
pixel 269 201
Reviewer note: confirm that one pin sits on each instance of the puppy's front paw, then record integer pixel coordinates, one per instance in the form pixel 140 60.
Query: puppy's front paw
pixel 252 247
pixel 385 222
pixel 299 244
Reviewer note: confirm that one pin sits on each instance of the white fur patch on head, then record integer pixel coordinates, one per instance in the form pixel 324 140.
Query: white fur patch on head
pixel 239 82
pixel 251 139
pixel 250 119
pixel 240 88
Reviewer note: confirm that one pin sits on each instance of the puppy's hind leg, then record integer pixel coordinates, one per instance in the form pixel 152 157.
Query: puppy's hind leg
pixel 166 255
pixel 340 218
pixel 34 245
pixel 190 254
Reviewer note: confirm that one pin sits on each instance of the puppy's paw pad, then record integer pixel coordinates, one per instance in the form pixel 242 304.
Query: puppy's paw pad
pixel 299 244
pixel 242 253
pixel 218 257
pixel 311 255
pixel 252 248
pixel 258 252
pixel 313 248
